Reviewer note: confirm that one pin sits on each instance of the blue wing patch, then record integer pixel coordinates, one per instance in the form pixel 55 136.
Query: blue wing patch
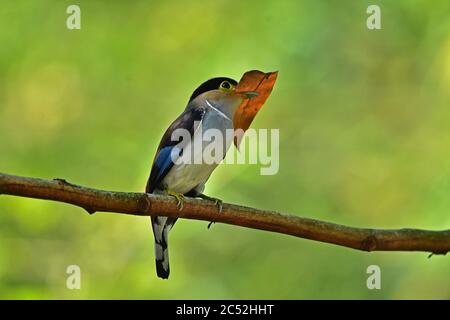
pixel 168 149
pixel 163 162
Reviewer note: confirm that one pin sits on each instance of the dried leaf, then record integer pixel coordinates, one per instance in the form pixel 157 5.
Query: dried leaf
pixel 257 81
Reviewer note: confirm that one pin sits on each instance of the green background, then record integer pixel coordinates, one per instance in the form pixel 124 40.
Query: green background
pixel 364 141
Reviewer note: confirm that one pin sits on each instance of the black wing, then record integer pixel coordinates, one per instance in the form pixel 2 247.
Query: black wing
pixel 163 159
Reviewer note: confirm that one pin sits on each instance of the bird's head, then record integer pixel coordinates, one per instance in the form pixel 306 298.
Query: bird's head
pixel 238 101
pixel 222 94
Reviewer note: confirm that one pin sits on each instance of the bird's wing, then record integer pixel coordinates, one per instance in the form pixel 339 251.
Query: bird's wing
pixel 163 159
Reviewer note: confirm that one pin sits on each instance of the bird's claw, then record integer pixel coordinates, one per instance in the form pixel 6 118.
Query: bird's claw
pixel 217 202
pixel 179 197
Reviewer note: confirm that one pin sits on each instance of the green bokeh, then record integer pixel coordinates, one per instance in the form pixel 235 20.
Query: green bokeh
pixel 364 140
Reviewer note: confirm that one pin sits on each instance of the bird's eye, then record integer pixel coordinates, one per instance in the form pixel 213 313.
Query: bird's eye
pixel 225 85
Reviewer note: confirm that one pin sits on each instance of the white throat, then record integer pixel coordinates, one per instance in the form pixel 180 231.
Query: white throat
pixel 217 110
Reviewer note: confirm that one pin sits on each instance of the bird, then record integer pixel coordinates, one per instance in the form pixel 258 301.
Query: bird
pixel 212 105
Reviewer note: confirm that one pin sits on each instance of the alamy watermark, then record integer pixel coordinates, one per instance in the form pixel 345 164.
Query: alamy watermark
pixel 374 280
pixel 73 281
pixel 373 21
pixel 74 19
pixel 212 146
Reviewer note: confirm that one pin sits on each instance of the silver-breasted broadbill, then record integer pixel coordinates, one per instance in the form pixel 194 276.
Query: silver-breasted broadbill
pixel 213 105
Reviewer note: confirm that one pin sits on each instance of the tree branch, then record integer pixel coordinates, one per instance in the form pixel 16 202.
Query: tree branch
pixel 92 200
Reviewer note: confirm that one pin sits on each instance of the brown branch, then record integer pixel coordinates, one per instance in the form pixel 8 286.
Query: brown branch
pixel 92 200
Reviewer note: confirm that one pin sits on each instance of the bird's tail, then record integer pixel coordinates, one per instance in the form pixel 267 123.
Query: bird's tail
pixel 161 227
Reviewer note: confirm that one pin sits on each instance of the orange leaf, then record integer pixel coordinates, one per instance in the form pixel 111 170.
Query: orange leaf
pixel 257 81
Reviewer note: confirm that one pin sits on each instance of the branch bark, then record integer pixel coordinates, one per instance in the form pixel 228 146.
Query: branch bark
pixel 141 204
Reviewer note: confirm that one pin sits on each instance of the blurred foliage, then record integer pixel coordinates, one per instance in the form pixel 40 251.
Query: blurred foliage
pixel 364 128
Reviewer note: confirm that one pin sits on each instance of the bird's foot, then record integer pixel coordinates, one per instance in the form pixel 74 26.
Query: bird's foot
pixel 178 196
pixel 217 202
